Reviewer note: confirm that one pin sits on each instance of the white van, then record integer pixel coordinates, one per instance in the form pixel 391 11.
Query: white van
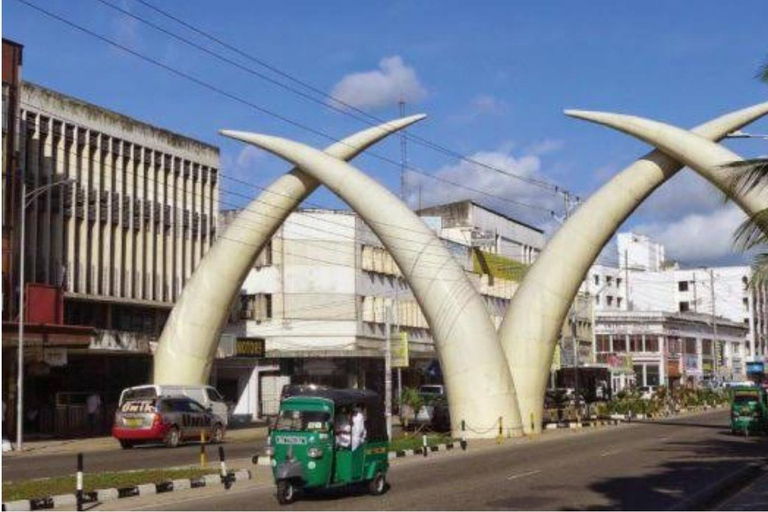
pixel 207 396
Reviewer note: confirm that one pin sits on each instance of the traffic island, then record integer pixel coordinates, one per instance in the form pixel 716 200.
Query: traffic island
pixel 60 492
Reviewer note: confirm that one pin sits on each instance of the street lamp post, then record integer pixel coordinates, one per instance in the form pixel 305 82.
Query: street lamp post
pixel 26 200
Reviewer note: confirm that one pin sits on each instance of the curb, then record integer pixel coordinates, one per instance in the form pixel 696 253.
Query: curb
pixel 113 493
pixel 264 460
pixel 706 498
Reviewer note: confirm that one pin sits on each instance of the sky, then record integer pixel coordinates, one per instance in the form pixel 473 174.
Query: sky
pixel 493 77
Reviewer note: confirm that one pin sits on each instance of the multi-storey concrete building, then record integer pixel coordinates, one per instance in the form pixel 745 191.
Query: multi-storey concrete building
pixel 110 251
pixel 317 300
pixel 652 348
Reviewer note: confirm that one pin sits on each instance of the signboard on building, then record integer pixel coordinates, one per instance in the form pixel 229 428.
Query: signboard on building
pixel 756 367
pixel 55 356
pixel 249 347
pixel 400 351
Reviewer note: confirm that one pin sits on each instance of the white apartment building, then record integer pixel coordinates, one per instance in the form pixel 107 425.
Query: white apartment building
pixel 650 292
pixel 638 252
pixel 317 295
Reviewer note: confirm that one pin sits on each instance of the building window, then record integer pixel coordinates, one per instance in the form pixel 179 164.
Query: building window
pixel 619 344
pixel 609 300
pixel 682 286
pixel 685 306
pixel 597 280
pixel 603 342
pixel 618 302
pixel 264 259
pixel 652 375
pixel 706 347
pixel 745 301
pixel 636 343
pixel 690 345
pixel 651 344
pixel 608 280
pixel 674 346
pixel 597 300
pixel 618 282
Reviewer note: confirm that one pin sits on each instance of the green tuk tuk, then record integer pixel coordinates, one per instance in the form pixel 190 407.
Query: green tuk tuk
pixel 749 410
pixel 327 438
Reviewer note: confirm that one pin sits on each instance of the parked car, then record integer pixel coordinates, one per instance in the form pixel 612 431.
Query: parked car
pixel 170 420
pixel 207 396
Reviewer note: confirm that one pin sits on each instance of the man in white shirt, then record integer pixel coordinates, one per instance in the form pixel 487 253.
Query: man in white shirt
pixel 358 428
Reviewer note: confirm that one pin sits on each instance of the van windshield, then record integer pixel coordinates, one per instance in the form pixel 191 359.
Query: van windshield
pixel 139 393
pixel 303 421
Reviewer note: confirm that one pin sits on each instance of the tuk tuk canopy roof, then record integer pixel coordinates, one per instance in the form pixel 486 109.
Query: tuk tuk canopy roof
pixel 375 422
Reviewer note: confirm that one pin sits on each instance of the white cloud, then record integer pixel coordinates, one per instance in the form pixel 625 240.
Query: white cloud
pixel 487 104
pixel 545 146
pixel 382 87
pixel 684 194
pixel 249 156
pixel 698 238
pixel 499 185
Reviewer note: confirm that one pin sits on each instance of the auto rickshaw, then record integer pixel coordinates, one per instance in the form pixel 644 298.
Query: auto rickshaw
pixel 749 410
pixel 313 446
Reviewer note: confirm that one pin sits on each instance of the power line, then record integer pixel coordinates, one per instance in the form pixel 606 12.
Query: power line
pixel 264 110
pixel 348 108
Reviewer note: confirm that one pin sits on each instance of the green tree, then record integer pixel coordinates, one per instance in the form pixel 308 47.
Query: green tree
pixel 752 174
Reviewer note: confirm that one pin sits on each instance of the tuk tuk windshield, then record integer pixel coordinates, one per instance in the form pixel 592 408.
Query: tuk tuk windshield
pixel 745 398
pixel 303 421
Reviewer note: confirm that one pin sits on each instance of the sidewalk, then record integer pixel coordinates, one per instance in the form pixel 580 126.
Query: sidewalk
pixel 753 497
pixel 101 444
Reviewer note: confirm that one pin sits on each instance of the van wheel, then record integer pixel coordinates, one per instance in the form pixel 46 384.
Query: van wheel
pixel 378 485
pixel 173 437
pixel 286 492
pixel 217 435
pixel 126 445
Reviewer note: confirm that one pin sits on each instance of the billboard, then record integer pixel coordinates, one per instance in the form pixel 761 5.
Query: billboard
pixel 757 367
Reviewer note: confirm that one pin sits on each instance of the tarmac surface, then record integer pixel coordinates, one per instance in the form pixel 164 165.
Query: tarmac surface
pixel 648 465
pixel 59 458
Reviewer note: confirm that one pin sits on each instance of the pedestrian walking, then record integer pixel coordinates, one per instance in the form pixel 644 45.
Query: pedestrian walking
pixel 93 408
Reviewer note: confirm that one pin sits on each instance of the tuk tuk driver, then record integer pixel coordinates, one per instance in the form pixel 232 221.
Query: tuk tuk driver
pixel 343 430
pixel 358 427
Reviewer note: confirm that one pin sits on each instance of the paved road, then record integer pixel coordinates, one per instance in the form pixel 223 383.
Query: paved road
pixel 645 466
pixel 141 457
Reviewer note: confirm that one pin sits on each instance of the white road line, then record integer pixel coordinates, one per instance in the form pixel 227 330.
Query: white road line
pixel 611 452
pixel 521 475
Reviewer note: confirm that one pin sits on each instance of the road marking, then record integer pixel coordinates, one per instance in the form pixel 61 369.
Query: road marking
pixel 611 452
pixel 521 475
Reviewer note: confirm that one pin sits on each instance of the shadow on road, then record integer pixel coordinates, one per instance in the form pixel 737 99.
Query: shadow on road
pixel 696 466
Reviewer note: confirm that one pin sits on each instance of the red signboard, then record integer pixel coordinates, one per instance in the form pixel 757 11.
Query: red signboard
pixel 44 304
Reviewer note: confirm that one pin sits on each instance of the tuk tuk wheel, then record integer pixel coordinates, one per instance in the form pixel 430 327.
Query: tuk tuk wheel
pixel 378 485
pixel 286 492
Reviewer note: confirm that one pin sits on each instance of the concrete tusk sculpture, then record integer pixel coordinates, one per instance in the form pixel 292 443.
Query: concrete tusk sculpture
pixel 703 156
pixel 476 375
pixel 533 321
pixel 189 340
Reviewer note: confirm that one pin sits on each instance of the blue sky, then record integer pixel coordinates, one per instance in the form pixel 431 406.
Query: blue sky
pixel 494 78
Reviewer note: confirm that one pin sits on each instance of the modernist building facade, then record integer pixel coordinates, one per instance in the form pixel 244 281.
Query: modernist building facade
pixel 108 253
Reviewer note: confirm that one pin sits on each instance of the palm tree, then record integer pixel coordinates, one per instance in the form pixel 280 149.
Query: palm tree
pixel 753 233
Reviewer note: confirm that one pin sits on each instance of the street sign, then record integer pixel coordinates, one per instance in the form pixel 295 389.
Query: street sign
pixel 400 352
pixel 249 347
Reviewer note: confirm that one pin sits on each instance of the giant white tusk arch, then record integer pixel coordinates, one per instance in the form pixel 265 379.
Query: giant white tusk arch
pixel 533 321
pixel 190 337
pixel 477 378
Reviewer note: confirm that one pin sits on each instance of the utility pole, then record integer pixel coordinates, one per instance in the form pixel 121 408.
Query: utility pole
pixel 388 368
pixel 403 153
pixel 714 317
